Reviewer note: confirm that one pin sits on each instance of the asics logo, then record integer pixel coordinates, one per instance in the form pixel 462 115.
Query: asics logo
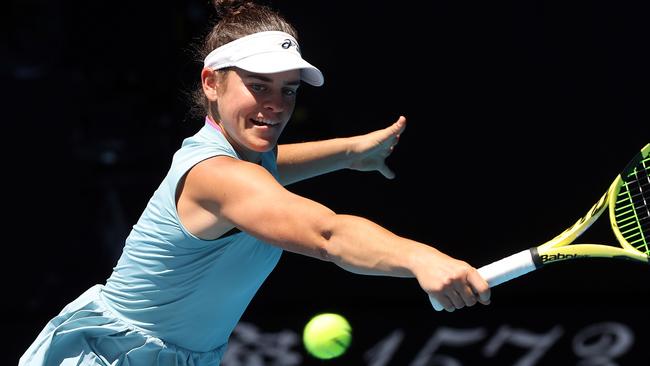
pixel 288 43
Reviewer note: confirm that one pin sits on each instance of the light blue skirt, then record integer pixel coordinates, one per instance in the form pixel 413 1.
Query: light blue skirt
pixel 87 333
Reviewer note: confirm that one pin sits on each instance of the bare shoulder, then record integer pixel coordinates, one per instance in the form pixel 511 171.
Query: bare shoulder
pixel 223 174
pixel 217 194
pixel 223 167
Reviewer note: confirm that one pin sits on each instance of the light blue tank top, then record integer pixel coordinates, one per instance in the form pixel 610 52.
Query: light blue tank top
pixel 177 287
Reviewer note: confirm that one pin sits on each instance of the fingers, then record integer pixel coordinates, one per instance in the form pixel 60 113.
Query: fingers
pixel 399 126
pixel 467 293
pixel 458 297
pixel 461 290
pixel 386 171
pixel 372 149
pixel 440 302
pixel 393 131
pixel 479 287
pixel 387 146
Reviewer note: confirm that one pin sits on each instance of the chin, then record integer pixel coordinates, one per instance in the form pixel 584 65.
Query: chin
pixel 263 147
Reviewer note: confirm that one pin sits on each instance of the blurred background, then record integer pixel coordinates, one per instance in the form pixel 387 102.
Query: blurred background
pixel 520 114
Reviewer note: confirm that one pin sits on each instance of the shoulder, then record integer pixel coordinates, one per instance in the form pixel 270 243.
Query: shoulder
pixel 224 172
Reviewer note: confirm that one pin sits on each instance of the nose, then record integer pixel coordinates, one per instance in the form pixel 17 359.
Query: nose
pixel 275 103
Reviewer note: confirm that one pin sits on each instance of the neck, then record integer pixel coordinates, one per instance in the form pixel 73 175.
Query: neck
pixel 214 124
pixel 250 156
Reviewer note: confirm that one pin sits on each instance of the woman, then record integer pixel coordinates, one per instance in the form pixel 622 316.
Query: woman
pixel 218 223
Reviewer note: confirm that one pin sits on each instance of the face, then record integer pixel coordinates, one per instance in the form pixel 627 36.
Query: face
pixel 253 109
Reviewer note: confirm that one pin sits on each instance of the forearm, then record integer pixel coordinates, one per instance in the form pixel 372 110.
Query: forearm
pixel 304 160
pixel 361 246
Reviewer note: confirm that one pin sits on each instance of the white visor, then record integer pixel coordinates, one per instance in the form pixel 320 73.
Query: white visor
pixel 264 53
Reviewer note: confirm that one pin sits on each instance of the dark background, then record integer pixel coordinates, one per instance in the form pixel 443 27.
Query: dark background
pixel 519 116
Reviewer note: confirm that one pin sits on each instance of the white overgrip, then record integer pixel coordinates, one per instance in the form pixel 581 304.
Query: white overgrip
pixel 501 271
pixel 508 268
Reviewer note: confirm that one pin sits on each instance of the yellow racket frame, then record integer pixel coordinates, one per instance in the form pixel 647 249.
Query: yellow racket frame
pixel 558 248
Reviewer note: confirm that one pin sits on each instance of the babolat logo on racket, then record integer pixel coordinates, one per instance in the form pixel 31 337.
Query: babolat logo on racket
pixel 629 214
pixel 558 257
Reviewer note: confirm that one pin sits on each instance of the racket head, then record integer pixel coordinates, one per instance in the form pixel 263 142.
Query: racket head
pixel 629 209
pixel 627 199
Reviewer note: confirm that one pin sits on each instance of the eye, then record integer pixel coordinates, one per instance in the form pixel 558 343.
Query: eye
pixel 290 92
pixel 258 88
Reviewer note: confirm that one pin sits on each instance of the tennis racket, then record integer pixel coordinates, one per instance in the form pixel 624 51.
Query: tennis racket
pixel 628 199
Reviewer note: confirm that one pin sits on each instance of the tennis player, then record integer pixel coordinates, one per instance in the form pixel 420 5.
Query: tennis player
pixel 221 218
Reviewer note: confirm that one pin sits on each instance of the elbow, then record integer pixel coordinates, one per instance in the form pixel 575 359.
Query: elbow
pixel 324 250
pixel 322 236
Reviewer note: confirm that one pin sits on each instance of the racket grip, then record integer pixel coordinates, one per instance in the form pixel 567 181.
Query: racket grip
pixel 502 271
pixel 508 268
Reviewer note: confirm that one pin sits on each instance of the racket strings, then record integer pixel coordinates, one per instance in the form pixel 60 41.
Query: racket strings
pixel 632 212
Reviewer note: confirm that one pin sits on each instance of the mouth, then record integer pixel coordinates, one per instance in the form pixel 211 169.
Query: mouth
pixel 263 122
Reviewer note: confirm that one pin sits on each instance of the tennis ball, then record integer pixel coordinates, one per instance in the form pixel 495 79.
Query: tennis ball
pixel 327 335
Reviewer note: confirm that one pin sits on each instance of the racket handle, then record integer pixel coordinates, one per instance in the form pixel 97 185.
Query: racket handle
pixel 508 268
pixel 502 270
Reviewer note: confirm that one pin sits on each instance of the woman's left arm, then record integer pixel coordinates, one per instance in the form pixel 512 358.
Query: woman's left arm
pixel 367 152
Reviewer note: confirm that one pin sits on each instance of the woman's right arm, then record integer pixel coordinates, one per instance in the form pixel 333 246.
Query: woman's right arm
pixel 237 193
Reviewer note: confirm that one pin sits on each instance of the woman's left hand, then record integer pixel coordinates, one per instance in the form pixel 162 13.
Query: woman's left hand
pixel 370 151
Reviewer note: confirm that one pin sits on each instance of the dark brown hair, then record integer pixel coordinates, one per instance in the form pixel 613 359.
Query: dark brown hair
pixel 236 19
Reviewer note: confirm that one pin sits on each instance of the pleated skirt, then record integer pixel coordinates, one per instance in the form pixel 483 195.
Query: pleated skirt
pixel 87 333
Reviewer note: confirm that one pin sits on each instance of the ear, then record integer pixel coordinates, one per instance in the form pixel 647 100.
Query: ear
pixel 209 82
